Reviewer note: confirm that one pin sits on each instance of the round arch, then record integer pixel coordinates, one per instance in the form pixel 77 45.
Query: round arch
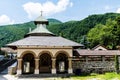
pixel 58 52
pixel 62 61
pixel 45 62
pixel 28 63
pixel 48 52
pixel 26 52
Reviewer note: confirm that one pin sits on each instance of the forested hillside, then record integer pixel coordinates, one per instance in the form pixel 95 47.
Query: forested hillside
pixel 78 30
pixel 107 34
pixel 10 33
pixel 74 30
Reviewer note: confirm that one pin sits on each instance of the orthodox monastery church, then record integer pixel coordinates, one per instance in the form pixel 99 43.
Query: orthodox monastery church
pixel 41 51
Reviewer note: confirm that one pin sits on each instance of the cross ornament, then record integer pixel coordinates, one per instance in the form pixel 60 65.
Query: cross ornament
pixel 41 12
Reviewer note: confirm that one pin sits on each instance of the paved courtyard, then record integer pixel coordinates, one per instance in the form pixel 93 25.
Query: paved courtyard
pixel 7 77
pixel 13 77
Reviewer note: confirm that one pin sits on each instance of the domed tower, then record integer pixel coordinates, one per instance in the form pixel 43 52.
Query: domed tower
pixel 40 29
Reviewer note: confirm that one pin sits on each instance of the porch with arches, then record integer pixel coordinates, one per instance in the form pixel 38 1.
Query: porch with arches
pixel 30 62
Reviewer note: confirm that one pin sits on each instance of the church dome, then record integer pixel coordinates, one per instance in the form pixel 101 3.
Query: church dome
pixel 41 29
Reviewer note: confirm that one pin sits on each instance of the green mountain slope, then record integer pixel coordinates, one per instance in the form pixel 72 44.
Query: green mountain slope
pixel 73 30
pixel 10 33
pixel 54 21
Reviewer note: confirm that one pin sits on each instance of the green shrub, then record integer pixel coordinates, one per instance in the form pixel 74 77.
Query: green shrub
pixel 116 64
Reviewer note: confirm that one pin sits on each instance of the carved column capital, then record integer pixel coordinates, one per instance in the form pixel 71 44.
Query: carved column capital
pixel 19 58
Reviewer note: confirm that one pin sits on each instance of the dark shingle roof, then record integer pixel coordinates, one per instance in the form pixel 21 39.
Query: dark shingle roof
pixel 44 41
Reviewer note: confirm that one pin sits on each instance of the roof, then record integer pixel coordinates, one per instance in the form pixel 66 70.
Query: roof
pixel 97 52
pixel 44 41
pixel 103 47
pixel 40 31
pixel 7 49
pixel 40 36
pixel 41 20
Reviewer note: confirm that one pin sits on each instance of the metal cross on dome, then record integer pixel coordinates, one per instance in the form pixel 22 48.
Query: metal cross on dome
pixel 41 12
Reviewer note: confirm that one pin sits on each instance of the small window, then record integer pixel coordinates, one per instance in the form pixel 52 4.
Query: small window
pixel 99 49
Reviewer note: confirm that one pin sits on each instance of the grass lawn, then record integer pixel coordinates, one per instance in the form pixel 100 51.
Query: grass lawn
pixel 93 76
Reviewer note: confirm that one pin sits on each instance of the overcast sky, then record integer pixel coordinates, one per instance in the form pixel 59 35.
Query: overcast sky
pixel 19 11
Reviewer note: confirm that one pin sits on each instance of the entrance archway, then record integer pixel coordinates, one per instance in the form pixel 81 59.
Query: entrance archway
pixel 28 64
pixel 62 63
pixel 45 63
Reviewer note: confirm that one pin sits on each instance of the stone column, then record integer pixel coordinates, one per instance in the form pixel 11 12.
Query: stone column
pixel 70 70
pixel 36 65
pixel 19 67
pixel 53 66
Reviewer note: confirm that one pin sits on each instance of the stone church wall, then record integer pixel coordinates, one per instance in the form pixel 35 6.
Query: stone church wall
pixel 94 66
pixel 106 64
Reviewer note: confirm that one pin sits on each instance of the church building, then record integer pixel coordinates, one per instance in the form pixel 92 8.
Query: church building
pixel 41 51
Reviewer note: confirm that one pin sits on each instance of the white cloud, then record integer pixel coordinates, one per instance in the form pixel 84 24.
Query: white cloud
pixel 48 8
pixel 107 7
pixel 118 10
pixel 71 4
pixel 4 20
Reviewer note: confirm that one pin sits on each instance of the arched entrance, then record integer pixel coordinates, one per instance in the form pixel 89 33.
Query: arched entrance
pixel 62 63
pixel 45 63
pixel 28 64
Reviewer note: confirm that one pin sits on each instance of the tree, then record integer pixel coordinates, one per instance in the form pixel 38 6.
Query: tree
pixel 2 52
pixel 84 42
pixel 104 34
pixel 94 35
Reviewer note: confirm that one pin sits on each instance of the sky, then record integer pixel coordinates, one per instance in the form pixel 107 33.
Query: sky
pixel 20 11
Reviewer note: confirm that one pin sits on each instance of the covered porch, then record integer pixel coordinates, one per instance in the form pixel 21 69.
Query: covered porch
pixel 44 63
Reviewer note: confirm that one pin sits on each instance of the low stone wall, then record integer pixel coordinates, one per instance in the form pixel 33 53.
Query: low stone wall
pixel 94 66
